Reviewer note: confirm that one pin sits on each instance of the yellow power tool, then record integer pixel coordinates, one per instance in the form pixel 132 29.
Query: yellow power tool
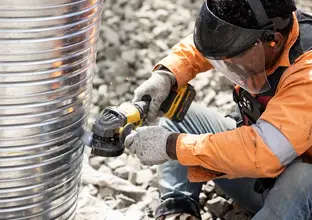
pixel 111 128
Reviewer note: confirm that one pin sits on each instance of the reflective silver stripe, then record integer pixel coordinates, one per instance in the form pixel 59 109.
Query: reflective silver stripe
pixel 276 141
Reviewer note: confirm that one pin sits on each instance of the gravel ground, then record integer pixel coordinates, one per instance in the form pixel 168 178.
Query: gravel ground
pixel 135 35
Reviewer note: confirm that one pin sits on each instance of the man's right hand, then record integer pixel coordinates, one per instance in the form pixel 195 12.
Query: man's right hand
pixel 158 87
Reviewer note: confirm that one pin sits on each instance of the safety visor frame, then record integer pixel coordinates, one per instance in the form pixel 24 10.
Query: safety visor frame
pixel 246 70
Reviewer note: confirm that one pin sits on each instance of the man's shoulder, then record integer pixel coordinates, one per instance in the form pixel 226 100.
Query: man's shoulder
pixel 300 72
pixel 304 41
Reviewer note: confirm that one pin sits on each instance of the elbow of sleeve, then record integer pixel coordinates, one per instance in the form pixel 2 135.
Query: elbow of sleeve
pixel 276 151
pixel 264 165
pixel 271 170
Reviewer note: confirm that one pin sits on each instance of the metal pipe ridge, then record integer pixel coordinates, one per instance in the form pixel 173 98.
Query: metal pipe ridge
pixel 47 61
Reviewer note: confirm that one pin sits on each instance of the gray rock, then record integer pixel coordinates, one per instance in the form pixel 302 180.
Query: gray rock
pixel 209 96
pixel 152 55
pixel 90 175
pixel 95 96
pixel 101 45
pixel 118 68
pixel 118 204
pixel 136 5
pixel 113 21
pixel 218 206
pixel 112 52
pixel 118 79
pixel 91 208
pixel 201 82
pixel 207 216
pixel 219 191
pixel 93 191
pixel 173 39
pixel 214 195
pixel 103 67
pixel 233 215
pixel 103 90
pixel 97 81
pixel 208 189
pixel 96 162
pixel 125 200
pixel 223 98
pixel 161 31
pixel 225 83
pixel 143 38
pixel 90 122
pixel 105 169
pixel 122 88
pixel 199 96
pixel 202 199
pixel 110 35
pixel 161 15
pixel 129 56
pixel 153 194
pixel 154 181
pixel 161 44
pixel 132 177
pixel 106 192
pixel 133 162
pixel 145 22
pixel 144 176
pixel 143 73
pixel 111 202
pixel 133 87
pixel 130 26
pixel 135 214
pixel 214 85
pixel 128 96
pixel 227 108
pixel 94 111
pixel 113 102
pixel 103 103
pixel 115 163
pixel 122 172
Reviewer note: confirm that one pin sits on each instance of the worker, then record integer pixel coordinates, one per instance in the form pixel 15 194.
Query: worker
pixel 260 156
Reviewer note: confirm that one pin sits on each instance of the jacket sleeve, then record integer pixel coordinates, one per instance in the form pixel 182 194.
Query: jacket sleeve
pixel 283 132
pixel 185 61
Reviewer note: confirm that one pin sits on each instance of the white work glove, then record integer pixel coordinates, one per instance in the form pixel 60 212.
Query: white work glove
pixel 158 87
pixel 149 144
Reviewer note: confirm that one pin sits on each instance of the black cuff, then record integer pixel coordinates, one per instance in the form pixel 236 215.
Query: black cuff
pixel 171 149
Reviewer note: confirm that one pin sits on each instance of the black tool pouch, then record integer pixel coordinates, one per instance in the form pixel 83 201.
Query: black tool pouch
pixel 263 184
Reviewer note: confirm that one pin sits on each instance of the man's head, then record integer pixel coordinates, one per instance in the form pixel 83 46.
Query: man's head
pixel 244 37
pixel 239 12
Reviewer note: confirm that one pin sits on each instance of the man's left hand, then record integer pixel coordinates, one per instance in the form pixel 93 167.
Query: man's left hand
pixel 149 144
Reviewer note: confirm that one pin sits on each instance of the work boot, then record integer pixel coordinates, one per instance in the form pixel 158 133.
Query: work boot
pixel 178 216
pixel 178 209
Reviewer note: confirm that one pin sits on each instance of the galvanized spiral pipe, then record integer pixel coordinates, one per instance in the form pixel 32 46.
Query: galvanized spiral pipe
pixel 47 58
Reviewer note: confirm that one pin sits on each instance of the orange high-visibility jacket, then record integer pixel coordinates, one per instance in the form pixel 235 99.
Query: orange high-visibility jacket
pixel 282 133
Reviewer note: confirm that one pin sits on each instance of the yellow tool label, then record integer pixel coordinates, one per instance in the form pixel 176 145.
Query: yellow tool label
pixel 176 102
pixel 132 113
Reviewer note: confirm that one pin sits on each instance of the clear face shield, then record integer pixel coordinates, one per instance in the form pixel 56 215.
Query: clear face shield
pixel 246 69
pixel 237 52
